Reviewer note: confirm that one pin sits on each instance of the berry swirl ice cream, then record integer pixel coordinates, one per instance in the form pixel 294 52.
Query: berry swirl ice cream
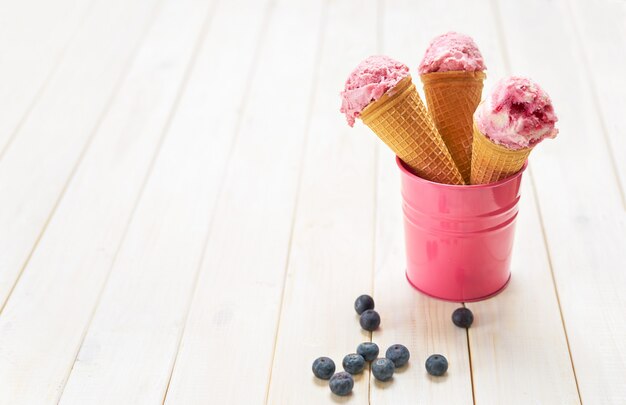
pixel 452 74
pixel 452 52
pixel 381 93
pixel 372 78
pixel 517 115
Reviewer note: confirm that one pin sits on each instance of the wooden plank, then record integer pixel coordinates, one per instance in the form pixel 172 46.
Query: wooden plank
pixel 600 29
pixel 32 45
pixel 46 317
pixel 36 168
pixel 134 336
pixel 231 326
pixel 579 198
pixel 331 255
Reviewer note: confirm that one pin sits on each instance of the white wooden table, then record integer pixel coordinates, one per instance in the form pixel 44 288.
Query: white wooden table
pixel 186 218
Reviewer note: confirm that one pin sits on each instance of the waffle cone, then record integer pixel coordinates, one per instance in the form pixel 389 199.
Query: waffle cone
pixel 401 121
pixel 492 162
pixel 452 98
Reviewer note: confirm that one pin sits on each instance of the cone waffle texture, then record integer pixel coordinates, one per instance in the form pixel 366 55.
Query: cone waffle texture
pixel 492 162
pixel 400 119
pixel 452 98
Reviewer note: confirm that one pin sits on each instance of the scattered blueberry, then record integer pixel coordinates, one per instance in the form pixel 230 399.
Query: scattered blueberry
pixel 462 317
pixel 370 320
pixel 383 369
pixel 341 383
pixel 436 365
pixel 368 350
pixel 353 363
pixel 363 303
pixel 323 368
pixel 399 354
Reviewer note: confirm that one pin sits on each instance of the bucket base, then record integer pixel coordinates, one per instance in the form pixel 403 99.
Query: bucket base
pixel 493 294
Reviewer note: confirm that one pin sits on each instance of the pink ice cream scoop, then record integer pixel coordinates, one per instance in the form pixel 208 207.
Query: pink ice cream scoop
pixel 452 52
pixel 368 82
pixel 518 114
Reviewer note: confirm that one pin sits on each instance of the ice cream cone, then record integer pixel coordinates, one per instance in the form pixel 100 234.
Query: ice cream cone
pixel 452 98
pixel 400 119
pixel 492 162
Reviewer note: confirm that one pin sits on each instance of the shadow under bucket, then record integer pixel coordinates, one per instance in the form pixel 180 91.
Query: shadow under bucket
pixel 459 239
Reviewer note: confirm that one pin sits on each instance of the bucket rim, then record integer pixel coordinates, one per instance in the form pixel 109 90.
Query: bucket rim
pixel 412 176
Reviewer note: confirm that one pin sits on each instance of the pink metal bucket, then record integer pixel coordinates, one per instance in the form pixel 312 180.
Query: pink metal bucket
pixel 459 238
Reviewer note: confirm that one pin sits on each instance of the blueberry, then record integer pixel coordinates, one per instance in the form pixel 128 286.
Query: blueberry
pixel 383 369
pixel 370 320
pixel 436 365
pixel 399 354
pixel 341 383
pixel 363 303
pixel 323 368
pixel 368 350
pixel 353 363
pixel 462 317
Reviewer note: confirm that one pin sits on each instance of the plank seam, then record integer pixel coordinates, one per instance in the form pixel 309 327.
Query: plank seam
pixel 373 271
pixel 42 89
pixel 109 103
pixel 469 356
pixel 380 6
pixel 309 115
pixel 596 100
